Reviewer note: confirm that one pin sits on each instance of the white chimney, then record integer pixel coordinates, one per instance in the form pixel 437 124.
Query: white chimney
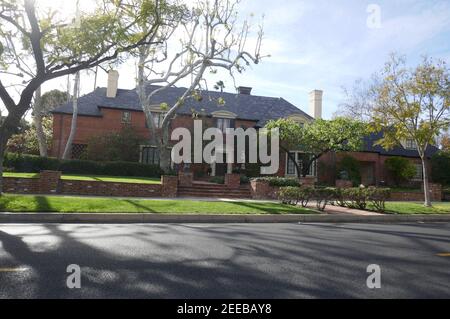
pixel 315 103
pixel 113 82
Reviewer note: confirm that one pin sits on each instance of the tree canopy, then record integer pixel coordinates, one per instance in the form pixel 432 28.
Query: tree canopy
pixel 319 137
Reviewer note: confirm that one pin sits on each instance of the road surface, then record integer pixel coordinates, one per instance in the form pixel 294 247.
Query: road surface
pixel 225 260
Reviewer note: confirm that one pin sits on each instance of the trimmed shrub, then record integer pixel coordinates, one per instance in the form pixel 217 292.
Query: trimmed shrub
pixel 378 198
pixel 35 164
pixel 356 196
pixel 289 195
pixel 401 169
pixel 293 195
pixel 323 196
pixel 349 169
pixel 280 181
pixel 245 179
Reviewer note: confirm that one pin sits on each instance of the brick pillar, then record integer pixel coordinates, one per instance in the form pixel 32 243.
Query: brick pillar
pixel 259 189
pixel 342 183
pixel 435 191
pixel 233 180
pixel 49 182
pixel 169 186
pixel 185 179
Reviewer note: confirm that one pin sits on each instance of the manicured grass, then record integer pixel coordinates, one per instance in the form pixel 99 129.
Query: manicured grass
pixel 21 175
pixel 116 179
pixel 25 203
pixel 416 208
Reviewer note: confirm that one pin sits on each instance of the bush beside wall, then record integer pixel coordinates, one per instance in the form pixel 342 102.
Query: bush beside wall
pixel 34 164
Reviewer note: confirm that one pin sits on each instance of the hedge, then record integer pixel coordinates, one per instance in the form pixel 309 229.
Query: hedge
pixel 357 197
pixel 279 181
pixel 34 164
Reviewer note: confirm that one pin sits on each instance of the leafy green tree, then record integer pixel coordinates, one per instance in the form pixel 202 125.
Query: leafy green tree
pixel 26 142
pixel 37 46
pixel 400 169
pixel 119 146
pixel 318 138
pixel 412 104
pixel 43 105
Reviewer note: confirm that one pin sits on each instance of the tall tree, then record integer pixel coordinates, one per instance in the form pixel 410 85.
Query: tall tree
pixel 42 106
pixel 213 37
pixel 318 138
pixel 73 125
pixel 47 47
pixel 412 104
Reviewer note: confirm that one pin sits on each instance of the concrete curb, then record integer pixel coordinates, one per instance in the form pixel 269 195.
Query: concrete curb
pixel 197 218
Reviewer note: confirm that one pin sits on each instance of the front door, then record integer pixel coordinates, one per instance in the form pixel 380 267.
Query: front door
pixel 221 169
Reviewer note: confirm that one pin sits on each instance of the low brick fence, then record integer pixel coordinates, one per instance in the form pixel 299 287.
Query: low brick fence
pixel 417 196
pixel 50 182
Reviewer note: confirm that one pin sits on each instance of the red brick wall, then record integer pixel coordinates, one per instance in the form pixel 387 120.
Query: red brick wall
pixel 111 121
pixel 97 188
pixel 328 162
pixel 49 183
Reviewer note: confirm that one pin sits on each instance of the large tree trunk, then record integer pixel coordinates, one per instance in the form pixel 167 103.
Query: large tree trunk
pixel 37 122
pixel 2 157
pixel 73 127
pixel 426 189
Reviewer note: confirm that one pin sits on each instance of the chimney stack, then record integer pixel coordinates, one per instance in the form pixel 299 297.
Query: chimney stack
pixel 315 103
pixel 244 90
pixel 113 82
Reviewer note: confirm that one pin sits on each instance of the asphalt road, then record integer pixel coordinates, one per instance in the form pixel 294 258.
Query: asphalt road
pixel 225 260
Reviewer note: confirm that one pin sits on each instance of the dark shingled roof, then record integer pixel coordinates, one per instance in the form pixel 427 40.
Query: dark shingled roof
pixel 369 146
pixel 247 107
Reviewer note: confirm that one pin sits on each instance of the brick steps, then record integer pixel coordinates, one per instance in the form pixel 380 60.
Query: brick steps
pixel 213 190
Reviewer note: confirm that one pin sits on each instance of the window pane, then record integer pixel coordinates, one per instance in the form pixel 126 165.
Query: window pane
pixel 291 165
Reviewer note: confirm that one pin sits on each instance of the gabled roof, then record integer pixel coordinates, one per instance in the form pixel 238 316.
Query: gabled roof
pixel 249 107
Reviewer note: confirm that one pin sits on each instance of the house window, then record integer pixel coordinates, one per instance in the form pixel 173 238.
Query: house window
pixel 291 169
pixel 223 124
pixel 158 119
pixel 419 172
pixel 78 151
pixel 150 155
pixel 410 144
pixel 126 117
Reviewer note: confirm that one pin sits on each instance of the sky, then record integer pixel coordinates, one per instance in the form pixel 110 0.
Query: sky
pixel 326 45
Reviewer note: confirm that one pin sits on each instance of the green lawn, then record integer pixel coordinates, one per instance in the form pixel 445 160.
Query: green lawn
pixel 416 208
pixel 25 203
pixel 21 175
pixel 116 179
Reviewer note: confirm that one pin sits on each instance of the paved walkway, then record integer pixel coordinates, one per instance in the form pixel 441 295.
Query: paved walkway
pixel 330 209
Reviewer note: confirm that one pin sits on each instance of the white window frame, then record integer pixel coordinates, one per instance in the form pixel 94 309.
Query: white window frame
pixel 126 119
pixel 410 144
pixel 313 167
pixel 223 123
pixel 158 118
pixel 418 168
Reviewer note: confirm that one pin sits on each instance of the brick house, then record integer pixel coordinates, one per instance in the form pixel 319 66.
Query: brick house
pixel 108 109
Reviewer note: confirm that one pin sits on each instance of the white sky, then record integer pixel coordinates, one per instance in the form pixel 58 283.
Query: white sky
pixel 318 44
